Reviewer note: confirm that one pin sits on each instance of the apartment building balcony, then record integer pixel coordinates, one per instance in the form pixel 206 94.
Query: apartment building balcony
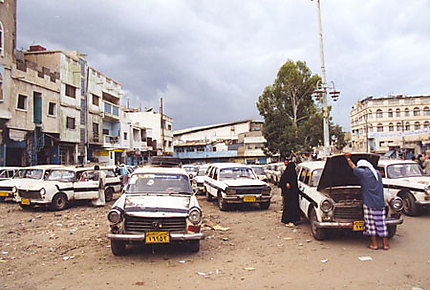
pixel 111 111
pixel 111 141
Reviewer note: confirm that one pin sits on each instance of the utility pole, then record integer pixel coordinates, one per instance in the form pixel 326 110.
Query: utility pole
pixel 162 125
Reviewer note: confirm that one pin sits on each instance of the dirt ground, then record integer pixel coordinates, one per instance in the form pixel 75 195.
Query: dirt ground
pixel 69 250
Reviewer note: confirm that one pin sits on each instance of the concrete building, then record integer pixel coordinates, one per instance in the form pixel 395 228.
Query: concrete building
pixel 240 141
pixel 396 124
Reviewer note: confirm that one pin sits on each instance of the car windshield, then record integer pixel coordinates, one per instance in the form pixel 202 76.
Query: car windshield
pixel 33 173
pixel 201 171
pixel 316 175
pixel 236 172
pixel 404 170
pixel 258 170
pixel 190 169
pixel 61 175
pixel 159 183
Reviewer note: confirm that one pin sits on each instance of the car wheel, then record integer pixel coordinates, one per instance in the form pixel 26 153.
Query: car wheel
pixel 208 195
pixel 26 206
pixel 221 202
pixel 391 231
pixel 318 233
pixel 108 194
pixel 117 247
pixel 265 205
pixel 410 208
pixel 59 202
pixel 194 246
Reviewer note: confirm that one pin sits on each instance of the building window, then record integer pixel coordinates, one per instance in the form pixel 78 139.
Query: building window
pixel 426 125
pixel 379 113
pixel 105 131
pixel 96 100
pixel 426 111
pixel 180 150
pixel 391 127
pixel 70 91
pixel 406 112
pixel 22 102
pixel 370 116
pixel 169 127
pixel 70 123
pixel 52 109
pixel 397 112
pixel 200 149
pixel 417 126
pixel 399 126
pixel 190 149
pixel 125 135
pixel 380 128
pixel 370 128
pixel 407 126
pixel 416 111
pixel 390 113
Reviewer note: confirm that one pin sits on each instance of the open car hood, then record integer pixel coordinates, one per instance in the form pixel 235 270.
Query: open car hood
pixel 337 172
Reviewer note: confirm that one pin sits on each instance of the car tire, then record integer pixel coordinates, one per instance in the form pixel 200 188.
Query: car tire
pixel 59 202
pixel 108 194
pixel 117 247
pixel 410 208
pixel 208 195
pixel 221 202
pixel 391 231
pixel 265 205
pixel 318 233
pixel 194 246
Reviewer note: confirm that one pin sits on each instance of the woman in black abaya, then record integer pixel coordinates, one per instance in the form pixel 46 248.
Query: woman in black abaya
pixel 290 195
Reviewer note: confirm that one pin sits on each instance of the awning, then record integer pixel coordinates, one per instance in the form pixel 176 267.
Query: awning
pixel 17 135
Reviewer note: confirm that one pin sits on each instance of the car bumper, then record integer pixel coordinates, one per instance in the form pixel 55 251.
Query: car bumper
pixel 349 225
pixel 141 237
pixel 240 199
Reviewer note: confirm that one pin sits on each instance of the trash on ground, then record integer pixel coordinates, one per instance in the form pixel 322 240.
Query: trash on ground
pixel 249 268
pixel 365 258
pixel 324 261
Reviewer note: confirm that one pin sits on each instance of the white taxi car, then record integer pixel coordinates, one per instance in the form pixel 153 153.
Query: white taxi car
pixel 63 185
pixel 330 196
pixel 198 182
pixel 157 207
pixel 232 183
pixel 406 180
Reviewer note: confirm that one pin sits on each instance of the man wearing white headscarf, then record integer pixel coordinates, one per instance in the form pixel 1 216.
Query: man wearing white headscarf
pixel 373 201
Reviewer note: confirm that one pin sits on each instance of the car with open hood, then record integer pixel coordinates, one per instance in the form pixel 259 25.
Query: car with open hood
pixel 157 206
pixel 233 183
pixel 330 196
pixel 407 180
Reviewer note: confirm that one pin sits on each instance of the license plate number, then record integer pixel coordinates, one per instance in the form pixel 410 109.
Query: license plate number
pixel 157 238
pixel 249 198
pixel 25 201
pixel 358 226
pixel 4 193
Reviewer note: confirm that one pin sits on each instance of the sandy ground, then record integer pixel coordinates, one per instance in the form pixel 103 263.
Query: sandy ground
pixel 69 250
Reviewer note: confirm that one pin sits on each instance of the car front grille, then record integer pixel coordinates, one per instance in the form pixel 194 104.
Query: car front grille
pixel 348 213
pixel 249 190
pixel 34 194
pixel 143 224
pixel 6 188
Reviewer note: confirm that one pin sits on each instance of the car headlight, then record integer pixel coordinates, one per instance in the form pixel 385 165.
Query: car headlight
pixel 14 189
pixel 427 190
pixel 114 216
pixel 230 191
pixel 396 203
pixel 42 191
pixel 195 216
pixel 326 205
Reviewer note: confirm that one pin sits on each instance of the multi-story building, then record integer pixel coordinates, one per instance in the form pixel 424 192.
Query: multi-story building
pixel 391 124
pixel 240 141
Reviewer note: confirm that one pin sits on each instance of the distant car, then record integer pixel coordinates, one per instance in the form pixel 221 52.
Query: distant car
pixel 259 171
pixel 191 170
pixel 330 196
pixel 274 172
pixel 407 180
pixel 198 182
pixel 232 183
pixel 63 185
pixel 8 172
pixel 157 207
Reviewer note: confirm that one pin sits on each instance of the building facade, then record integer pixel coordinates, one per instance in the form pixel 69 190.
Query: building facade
pixel 396 124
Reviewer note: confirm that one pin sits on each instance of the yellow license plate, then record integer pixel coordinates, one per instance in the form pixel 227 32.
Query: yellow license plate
pixel 157 238
pixel 358 226
pixel 4 193
pixel 249 198
pixel 25 201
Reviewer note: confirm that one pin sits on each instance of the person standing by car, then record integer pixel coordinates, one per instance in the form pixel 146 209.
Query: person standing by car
pixel 100 175
pixel 123 172
pixel 290 195
pixel 373 201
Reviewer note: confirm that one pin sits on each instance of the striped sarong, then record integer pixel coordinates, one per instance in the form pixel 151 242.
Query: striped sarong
pixel 374 222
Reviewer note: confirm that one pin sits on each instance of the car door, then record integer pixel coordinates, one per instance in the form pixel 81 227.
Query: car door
pixel 304 190
pixel 87 185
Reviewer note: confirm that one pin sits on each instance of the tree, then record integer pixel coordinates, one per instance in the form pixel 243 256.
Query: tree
pixel 292 120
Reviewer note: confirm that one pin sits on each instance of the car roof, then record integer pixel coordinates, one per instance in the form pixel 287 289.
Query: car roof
pixel 229 165
pixel 165 170
pixel 312 164
pixel 386 162
pixel 45 166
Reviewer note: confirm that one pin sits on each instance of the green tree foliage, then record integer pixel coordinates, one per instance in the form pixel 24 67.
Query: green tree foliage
pixel 292 120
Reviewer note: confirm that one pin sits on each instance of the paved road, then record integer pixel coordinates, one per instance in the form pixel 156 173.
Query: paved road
pixel 68 250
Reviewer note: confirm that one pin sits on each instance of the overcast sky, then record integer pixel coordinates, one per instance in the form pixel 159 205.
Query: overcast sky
pixel 211 59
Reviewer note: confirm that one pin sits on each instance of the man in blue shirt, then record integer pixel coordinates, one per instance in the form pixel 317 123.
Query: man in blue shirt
pixel 373 201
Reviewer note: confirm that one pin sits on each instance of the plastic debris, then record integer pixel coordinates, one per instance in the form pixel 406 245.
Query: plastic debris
pixel 249 268
pixel 183 261
pixel 220 228
pixel 365 258
pixel 324 261
pixel 201 274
